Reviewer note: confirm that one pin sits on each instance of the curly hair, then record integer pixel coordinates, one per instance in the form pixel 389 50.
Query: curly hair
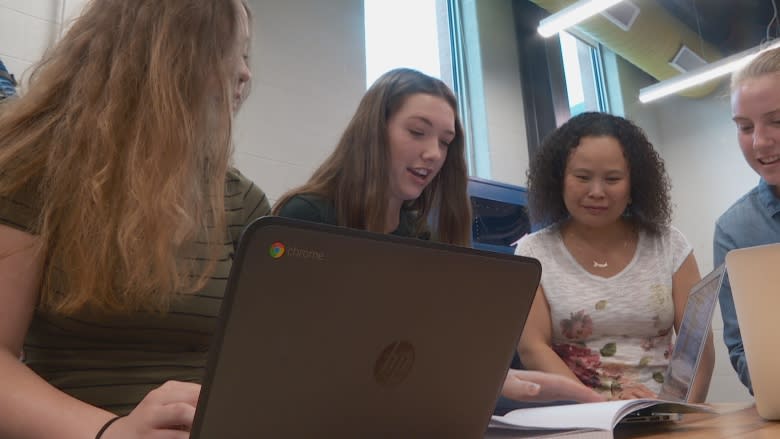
pixel 650 208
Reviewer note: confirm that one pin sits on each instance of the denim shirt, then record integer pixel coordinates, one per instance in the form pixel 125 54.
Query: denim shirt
pixel 753 220
pixel 7 83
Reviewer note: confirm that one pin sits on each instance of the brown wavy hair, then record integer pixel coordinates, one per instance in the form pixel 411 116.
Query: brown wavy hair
pixel 356 177
pixel 125 131
pixel 650 207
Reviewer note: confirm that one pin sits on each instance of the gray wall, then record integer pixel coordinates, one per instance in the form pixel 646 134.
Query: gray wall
pixel 308 64
pixel 27 28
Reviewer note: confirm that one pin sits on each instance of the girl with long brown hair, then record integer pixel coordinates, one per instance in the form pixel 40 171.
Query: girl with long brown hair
pixel 399 163
pixel 400 168
pixel 118 216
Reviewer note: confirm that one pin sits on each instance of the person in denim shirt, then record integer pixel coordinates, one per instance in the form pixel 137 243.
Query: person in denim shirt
pixel 7 82
pixel 754 219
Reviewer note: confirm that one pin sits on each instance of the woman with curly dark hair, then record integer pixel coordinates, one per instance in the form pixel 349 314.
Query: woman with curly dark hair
pixel 616 274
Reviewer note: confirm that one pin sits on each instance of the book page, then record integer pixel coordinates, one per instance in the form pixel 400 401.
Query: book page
pixel 594 416
pixel 494 433
pixel 597 415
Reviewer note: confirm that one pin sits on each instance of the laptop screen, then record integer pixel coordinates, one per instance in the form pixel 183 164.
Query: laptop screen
pixel 690 340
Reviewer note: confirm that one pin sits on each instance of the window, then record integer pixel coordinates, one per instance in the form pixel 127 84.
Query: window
pixel 404 33
pixel 583 73
pixel 421 34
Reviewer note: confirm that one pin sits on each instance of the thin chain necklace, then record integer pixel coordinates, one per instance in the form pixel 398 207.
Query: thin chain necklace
pixel 581 245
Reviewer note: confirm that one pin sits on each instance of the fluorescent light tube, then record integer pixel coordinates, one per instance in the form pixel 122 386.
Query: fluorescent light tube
pixel 703 74
pixel 572 14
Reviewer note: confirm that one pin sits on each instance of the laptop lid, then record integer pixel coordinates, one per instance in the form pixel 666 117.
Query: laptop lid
pixel 692 337
pixel 332 332
pixel 755 285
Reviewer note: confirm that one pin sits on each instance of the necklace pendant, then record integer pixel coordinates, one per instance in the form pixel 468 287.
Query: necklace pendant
pixel 600 265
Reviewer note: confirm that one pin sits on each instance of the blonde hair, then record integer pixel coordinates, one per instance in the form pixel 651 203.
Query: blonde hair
pixel 766 63
pixel 126 130
pixel 355 176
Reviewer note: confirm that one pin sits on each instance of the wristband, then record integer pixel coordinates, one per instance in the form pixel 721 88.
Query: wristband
pixel 106 425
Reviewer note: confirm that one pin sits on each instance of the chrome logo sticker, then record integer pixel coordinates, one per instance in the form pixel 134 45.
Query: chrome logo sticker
pixel 276 250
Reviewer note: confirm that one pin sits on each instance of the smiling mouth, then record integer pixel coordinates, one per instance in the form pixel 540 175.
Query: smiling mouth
pixel 596 208
pixel 769 160
pixel 420 172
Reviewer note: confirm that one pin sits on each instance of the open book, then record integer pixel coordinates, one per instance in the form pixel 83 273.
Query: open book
pixel 588 417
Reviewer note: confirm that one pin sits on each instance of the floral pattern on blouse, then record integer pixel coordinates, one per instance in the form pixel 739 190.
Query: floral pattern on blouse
pixel 578 327
pixel 612 332
pixel 589 365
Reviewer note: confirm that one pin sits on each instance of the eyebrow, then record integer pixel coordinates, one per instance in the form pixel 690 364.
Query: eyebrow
pixel 608 171
pixel 771 113
pixel 429 123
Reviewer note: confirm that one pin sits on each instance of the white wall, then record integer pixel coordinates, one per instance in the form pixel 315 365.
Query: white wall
pixel 697 141
pixel 27 28
pixel 309 75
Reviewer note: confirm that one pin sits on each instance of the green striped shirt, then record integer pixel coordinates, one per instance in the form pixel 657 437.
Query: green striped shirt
pixel 113 361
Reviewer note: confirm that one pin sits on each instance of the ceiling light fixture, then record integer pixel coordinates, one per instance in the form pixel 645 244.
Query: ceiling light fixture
pixel 572 14
pixel 703 74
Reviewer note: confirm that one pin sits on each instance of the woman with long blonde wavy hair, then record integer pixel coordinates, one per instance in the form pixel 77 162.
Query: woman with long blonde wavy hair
pixel 118 215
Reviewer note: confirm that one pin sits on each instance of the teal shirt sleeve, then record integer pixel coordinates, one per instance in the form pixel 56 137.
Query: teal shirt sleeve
pixel 309 208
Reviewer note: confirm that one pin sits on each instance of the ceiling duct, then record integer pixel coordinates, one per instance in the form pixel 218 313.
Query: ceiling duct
pixel 649 37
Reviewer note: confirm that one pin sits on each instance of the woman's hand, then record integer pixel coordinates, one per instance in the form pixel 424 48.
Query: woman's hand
pixel 166 412
pixel 533 386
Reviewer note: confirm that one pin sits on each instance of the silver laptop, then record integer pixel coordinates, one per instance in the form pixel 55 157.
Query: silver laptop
pixel 692 337
pixel 688 347
pixel 331 332
pixel 754 274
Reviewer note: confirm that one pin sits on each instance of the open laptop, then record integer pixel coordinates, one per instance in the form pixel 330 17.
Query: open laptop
pixel 688 347
pixel 332 332
pixel 692 337
pixel 754 274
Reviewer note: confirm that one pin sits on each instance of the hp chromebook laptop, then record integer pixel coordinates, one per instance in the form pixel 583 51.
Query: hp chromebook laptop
pixel 754 273
pixel 332 332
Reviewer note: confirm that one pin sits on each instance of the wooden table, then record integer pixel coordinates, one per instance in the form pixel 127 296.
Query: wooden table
pixel 739 421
